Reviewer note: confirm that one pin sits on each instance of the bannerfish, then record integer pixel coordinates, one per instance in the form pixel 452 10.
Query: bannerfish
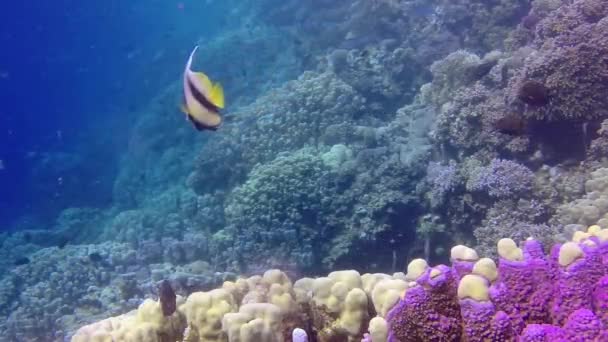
pixel 202 98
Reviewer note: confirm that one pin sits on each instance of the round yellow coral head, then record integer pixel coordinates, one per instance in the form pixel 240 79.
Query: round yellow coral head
pixel 594 229
pixel 569 253
pixel 464 253
pixel 276 277
pixel 435 273
pixel 579 236
pixel 486 268
pixel 386 294
pixel 378 329
pixel 351 278
pixel 602 235
pixel 507 249
pixel 474 287
pixel 415 269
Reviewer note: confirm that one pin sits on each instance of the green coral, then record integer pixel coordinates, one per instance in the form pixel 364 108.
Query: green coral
pixel 277 213
pixel 288 209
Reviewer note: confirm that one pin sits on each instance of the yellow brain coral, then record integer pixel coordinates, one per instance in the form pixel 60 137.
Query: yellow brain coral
pixel 254 323
pixel 386 294
pixel 146 324
pixel 378 329
pixel 205 311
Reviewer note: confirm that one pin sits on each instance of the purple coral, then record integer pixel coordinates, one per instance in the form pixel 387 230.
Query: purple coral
pixel 482 322
pixel 429 309
pixel 582 325
pixel 562 297
pixel 501 178
pixel 442 179
pixel 566 78
pixel 600 299
pixel 570 294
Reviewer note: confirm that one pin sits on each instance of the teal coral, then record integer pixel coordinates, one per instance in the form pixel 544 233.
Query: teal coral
pixel 278 211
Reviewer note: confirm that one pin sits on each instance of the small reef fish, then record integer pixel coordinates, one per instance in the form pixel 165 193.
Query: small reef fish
pixel 511 124
pixel 202 99
pixel 22 261
pixel 167 298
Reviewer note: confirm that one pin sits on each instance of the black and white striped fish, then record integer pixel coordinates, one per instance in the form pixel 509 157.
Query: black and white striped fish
pixel 203 99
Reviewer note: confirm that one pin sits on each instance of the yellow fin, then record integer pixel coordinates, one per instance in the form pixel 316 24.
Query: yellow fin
pixel 216 96
pixel 204 80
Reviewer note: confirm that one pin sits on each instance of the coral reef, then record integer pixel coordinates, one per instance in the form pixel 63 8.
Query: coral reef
pixel 357 135
pixel 522 297
pixel 509 107
pixel 518 219
pixel 442 179
pixel 60 289
pixel 501 179
pixel 592 207
pixel 275 214
pixel 565 78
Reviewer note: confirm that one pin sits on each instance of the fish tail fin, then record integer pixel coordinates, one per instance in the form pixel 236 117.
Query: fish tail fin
pixel 183 108
pixel 229 117
pixel 216 95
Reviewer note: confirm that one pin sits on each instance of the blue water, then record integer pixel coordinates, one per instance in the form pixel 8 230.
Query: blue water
pixel 71 73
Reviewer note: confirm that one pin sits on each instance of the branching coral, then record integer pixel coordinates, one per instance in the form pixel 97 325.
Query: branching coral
pixel 449 74
pixel 442 179
pixel 466 115
pixel 482 24
pixel 288 207
pixel 515 219
pixel 501 179
pixel 598 148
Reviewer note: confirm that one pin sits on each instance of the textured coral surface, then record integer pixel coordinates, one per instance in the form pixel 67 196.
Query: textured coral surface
pixel 525 296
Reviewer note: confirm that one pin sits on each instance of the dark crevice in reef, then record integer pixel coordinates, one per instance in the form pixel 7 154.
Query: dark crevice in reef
pixel 388 250
pixel 562 141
